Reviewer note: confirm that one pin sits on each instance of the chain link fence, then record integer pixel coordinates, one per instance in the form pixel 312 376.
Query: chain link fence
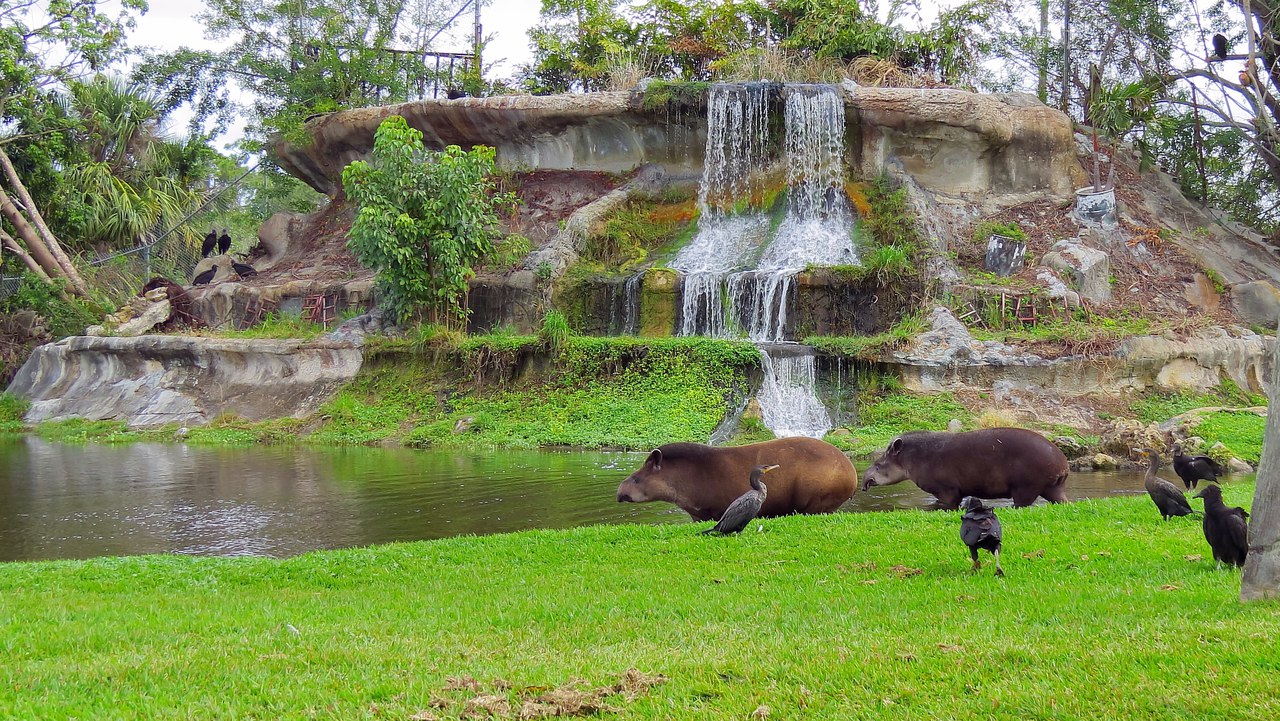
pixel 173 254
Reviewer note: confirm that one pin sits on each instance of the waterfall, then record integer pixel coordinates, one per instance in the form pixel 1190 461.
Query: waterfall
pixel 737 135
pixel 729 291
pixel 788 401
pixel 627 300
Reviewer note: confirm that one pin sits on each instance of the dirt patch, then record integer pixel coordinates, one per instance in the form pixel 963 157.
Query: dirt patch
pixel 548 197
pixel 504 700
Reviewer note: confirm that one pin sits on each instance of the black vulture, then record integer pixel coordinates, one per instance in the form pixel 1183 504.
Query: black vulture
pixel 1193 469
pixel 979 528
pixel 1166 496
pixel 744 507
pixel 205 277
pixel 1226 529
pixel 224 242
pixel 210 242
pixel 243 270
pixel 1219 46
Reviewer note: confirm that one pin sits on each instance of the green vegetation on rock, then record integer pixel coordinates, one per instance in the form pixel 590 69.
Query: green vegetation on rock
pixel 662 93
pixel 867 616
pixel 1240 432
pixel 881 417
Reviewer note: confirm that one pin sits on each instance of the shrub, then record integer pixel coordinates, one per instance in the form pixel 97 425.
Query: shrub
pixel 555 332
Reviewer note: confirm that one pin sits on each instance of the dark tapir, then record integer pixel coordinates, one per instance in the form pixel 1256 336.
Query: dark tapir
pixel 812 477
pixel 990 463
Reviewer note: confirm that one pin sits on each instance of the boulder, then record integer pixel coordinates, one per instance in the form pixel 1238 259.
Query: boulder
pixel 1070 447
pixel 1103 462
pixel 1257 302
pixel 1235 465
pixel 275 235
pixel 1126 434
pixel 152 380
pixel 1088 268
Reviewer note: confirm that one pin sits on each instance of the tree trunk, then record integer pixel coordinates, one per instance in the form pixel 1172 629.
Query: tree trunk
pixel 28 235
pixel 1042 85
pixel 8 242
pixel 50 241
pixel 1261 578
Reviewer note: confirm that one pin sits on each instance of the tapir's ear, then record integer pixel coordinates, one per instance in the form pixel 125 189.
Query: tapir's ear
pixel 655 459
pixel 895 446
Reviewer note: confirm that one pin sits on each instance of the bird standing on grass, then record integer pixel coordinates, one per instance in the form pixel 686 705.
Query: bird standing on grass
pixel 1193 469
pixel 1225 529
pixel 979 528
pixel 1166 496
pixel 744 507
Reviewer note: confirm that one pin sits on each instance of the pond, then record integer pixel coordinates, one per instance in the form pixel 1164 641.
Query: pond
pixel 80 501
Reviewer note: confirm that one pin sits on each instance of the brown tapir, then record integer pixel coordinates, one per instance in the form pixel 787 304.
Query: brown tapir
pixel 812 477
pixel 990 463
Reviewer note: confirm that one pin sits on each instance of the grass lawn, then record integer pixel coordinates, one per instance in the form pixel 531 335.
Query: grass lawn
pixel 1106 612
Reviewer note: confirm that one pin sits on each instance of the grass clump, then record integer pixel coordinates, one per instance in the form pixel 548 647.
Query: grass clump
pixel 1099 592
pixel 279 326
pixel 12 408
pixel 982 232
pixel 555 332
pixel 641 229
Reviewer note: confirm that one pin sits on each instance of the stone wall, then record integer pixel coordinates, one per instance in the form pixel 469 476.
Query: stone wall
pixel 153 380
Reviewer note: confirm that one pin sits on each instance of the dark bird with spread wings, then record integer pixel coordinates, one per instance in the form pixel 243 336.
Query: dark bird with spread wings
pixel 1193 469
pixel 979 528
pixel 745 507
pixel 1167 497
pixel 1226 529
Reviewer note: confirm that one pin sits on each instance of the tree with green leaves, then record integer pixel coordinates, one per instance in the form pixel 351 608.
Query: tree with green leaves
pixel 423 219
pixel 298 59
pixel 43 47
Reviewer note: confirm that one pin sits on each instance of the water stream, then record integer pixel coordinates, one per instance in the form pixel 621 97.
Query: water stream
pixel 739 279
pixel 79 501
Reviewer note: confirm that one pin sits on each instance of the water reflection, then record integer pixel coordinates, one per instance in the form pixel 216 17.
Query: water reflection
pixel 73 501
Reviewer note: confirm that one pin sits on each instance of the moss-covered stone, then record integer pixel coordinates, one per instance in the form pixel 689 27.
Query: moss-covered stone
pixel 658 302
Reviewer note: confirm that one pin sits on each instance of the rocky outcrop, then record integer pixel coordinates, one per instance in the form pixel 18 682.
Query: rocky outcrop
pixel 953 142
pixel 595 131
pixel 958 143
pixel 948 358
pixel 232 306
pixel 1088 268
pixel 152 380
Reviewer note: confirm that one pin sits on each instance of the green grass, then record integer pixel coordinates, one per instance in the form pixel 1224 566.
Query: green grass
pixel 872 346
pixel 441 389
pixel 1240 432
pixel 882 418
pixel 279 326
pixel 1106 612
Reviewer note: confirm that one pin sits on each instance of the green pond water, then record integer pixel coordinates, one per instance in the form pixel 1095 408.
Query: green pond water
pixel 80 501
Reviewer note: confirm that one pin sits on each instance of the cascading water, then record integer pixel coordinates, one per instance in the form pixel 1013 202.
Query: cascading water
pixel 816 229
pixel 737 134
pixel 788 404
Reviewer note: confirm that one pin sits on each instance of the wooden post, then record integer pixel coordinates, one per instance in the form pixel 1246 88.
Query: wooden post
pixel 1261 578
